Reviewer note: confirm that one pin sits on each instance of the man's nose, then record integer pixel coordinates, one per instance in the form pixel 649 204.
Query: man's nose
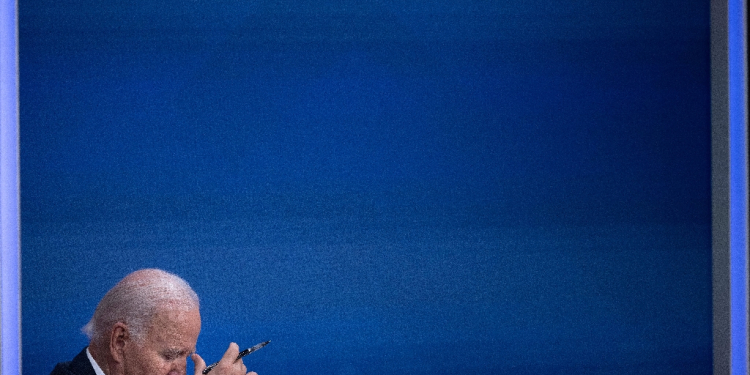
pixel 178 368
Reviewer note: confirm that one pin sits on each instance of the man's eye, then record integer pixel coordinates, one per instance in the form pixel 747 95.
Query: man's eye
pixel 170 356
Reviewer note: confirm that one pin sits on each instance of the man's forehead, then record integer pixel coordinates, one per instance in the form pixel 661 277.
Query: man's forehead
pixel 175 329
pixel 173 313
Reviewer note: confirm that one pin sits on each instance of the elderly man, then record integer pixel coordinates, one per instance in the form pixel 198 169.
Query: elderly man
pixel 147 324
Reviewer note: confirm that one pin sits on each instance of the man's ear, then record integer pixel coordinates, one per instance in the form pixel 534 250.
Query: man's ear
pixel 118 339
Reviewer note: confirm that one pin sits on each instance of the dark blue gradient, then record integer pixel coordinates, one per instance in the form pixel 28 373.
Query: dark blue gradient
pixel 406 188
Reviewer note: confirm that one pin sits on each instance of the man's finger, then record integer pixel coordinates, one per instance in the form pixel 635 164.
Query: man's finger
pixel 231 354
pixel 200 364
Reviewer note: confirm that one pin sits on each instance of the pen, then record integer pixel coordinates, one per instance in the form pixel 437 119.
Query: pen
pixel 242 354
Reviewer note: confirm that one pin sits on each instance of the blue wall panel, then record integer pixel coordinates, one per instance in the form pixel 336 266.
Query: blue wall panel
pixel 515 187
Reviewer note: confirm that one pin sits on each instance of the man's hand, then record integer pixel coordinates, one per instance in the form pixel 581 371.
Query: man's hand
pixel 228 365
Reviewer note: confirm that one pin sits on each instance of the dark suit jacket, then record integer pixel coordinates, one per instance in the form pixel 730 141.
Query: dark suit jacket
pixel 80 365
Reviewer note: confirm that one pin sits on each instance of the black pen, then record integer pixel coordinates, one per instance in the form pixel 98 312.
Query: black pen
pixel 242 354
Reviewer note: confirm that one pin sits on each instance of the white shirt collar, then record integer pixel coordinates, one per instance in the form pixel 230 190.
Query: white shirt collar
pixel 97 369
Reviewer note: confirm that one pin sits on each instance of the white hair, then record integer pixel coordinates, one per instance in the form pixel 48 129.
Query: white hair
pixel 136 299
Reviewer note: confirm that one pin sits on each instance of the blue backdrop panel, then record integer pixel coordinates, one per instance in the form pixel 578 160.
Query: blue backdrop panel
pixel 410 188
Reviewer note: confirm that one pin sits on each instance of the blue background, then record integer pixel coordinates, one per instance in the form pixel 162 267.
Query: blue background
pixel 381 187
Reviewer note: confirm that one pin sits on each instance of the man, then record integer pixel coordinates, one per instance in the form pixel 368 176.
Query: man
pixel 147 324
